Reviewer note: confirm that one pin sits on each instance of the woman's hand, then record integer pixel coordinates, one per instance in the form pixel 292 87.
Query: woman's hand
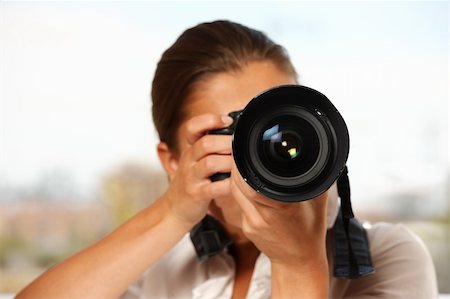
pixel 191 190
pixel 292 235
pixel 285 232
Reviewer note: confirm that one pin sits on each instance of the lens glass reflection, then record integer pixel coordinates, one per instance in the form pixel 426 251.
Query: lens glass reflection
pixel 289 146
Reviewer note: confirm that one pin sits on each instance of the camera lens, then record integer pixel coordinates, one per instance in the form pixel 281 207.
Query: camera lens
pixel 290 143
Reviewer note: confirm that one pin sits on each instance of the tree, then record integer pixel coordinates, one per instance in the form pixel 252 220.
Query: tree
pixel 130 188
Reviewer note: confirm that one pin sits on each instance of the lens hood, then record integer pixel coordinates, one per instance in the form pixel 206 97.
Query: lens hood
pixel 290 143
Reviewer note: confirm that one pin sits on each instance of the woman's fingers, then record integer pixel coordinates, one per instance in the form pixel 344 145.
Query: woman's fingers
pixel 190 190
pixel 201 143
pixel 216 189
pixel 198 126
pixel 252 194
pixel 211 144
pixel 249 209
pixel 211 164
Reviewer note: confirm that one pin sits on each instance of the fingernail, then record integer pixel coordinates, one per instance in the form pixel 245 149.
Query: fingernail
pixel 227 120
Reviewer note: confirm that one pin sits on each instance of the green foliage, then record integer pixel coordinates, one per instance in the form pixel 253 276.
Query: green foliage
pixel 130 188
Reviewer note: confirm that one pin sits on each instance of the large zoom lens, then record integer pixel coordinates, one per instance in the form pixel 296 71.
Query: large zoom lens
pixel 290 143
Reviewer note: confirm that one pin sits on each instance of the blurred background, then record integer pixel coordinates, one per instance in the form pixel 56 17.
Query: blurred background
pixel 77 144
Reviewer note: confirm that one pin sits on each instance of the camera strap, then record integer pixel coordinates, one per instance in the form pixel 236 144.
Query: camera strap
pixel 209 238
pixel 351 247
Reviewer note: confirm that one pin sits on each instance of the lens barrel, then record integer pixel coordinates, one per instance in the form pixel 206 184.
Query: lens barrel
pixel 290 143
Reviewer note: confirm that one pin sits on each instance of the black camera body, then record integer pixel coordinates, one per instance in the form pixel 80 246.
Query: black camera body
pixel 289 143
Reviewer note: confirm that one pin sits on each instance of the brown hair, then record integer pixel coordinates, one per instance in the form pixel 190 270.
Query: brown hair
pixel 205 49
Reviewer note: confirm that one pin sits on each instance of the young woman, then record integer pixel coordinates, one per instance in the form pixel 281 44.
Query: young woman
pixel 280 250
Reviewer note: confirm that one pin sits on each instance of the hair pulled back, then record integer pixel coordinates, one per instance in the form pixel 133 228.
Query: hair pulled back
pixel 205 49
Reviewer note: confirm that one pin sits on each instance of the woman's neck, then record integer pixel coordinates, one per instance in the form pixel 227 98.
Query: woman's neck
pixel 244 254
pixel 243 251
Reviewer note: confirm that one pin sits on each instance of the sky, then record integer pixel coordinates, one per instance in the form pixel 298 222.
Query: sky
pixel 75 82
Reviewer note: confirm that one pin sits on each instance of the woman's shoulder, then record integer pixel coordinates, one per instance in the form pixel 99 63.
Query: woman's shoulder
pixel 384 236
pixel 179 274
pixel 403 265
pixel 178 265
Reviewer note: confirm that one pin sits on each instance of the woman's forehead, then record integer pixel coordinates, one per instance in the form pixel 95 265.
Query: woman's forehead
pixel 224 92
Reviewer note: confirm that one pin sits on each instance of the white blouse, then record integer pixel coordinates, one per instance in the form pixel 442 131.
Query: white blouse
pixel 403 269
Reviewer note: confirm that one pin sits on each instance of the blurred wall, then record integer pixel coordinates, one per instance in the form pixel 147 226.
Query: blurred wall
pixel 76 135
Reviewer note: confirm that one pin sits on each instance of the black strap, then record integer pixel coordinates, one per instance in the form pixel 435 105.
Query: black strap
pixel 351 247
pixel 209 238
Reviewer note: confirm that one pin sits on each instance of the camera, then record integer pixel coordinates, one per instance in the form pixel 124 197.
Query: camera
pixel 290 143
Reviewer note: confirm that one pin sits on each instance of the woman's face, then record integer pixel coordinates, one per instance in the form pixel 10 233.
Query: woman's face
pixel 225 92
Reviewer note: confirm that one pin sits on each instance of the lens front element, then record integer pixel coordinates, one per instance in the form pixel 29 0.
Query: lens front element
pixel 289 147
pixel 283 145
